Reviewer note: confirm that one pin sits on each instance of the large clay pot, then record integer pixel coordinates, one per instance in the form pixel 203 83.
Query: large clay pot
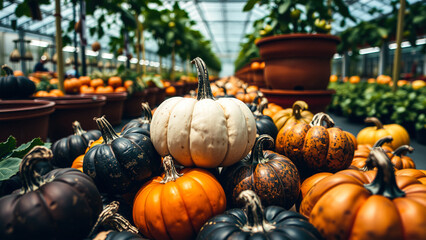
pixel 132 105
pixel 298 61
pixel 70 108
pixel 161 96
pixel 113 108
pixel 152 96
pixel 25 119
pixel 317 100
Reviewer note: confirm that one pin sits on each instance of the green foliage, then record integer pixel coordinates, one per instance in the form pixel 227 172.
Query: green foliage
pixel 406 106
pixel 11 156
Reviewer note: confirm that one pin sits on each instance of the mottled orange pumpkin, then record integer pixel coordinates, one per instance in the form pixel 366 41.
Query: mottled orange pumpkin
pixel 368 205
pixel 176 205
pixel 315 148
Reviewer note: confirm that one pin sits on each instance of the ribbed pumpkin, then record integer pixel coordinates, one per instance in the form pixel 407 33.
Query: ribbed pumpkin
pixel 15 87
pixel 264 124
pixel 399 160
pixel 63 204
pixel 419 174
pixel 362 152
pixel 67 149
pixel 253 222
pixel 363 206
pixel 273 177
pixel 122 161
pixel 298 113
pixel 370 135
pixel 203 132
pixel 143 122
pixel 314 148
pixel 272 109
pixel 176 205
pixel 246 96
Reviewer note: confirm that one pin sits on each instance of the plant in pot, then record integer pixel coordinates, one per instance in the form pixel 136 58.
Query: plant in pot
pixel 297 47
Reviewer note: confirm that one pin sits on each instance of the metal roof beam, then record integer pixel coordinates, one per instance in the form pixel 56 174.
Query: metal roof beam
pixel 27 31
pixel 209 31
pixel 225 25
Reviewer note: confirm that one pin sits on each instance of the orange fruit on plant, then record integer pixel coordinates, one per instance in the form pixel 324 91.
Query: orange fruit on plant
pixel 85 80
pixel 72 85
pixel 171 91
pixel 333 78
pixel 354 79
pixel 262 65
pixel 371 80
pixel 41 94
pixel 106 89
pixel 87 89
pixel 255 66
pixel 128 83
pixel 56 92
pixel 115 82
pixel 96 82
pixel 120 89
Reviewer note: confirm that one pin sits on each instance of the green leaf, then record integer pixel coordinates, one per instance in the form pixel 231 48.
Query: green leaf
pixel 7 147
pixel 26 147
pixel 284 7
pixel 9 167
pixel 249 5
pixel 22 10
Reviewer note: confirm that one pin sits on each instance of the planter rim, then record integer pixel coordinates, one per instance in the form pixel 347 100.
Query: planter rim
pixel 297 36
pixel 296 92
pixel 35 104
pixel 115 96
pixel 76 99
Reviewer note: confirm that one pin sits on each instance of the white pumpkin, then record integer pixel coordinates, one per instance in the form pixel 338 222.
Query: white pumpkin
pixel 203 132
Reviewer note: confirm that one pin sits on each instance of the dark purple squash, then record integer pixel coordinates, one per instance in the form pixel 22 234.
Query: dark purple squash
pixel 143 122
pixel 63 204
pixel 12 87
pixel 123 161
pixel 264 124
pixel 67 149
pixel 273 177
pixel 254 223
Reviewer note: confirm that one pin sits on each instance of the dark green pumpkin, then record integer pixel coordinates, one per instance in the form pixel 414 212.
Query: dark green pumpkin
pixel 63 204
pixel 264 124
pixel 273 177
pixel 12 87
pixel 121 162
pixel 67 149
pixel 143 122
pixel 252 222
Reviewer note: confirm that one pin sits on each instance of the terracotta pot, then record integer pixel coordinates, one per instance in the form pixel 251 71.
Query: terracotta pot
pixel 161 96
pixel 132 105
pixel 317 100
pixel 298 61
pixel 113 108
pixel 152 96
pixel 179 88
pixel 192 86
pixel 70 108
pixel 25 119
pixel 258 78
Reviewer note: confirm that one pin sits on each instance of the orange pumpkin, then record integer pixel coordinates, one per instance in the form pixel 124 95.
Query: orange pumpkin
pixel 255 66
pixel 419 174
pixel 245 96
pixel 176 205
pixel 272 109
pixel 298 113
pixel 106 89
pixel 72 85
pixel 128 83
pixel 368 205
pixel 371 80
pixel 87 89
pixel 96 82
pixel 120 89
pixel 333 78
pixel 354 79
pixel 371 135
pixel 56 92
pixel 315 148
pixel 85 80
pixel 78 163
pixel 18 73
pixel 171 91
pixel 383 79
pixel 362 152
pixel 41 93
pixel 115 82
pixel 54 81
pixel 399 160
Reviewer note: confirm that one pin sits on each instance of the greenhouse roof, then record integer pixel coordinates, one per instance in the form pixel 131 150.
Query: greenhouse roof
pixel 222 22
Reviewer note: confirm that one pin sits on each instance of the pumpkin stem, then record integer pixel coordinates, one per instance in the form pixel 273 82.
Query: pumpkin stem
pixel 7 70
pixel 318 119
pixel 31 179
pixel 298 107
pixel 254 212
pixel 111 218
pixel 256 99
pixel 108 133
pixel 261 107
pixel 257 151
pixel 146 113
pixel 376 122
pixel 382 141
pixel 78 130
pixel 204 89
pixel 170 173
pixel 403 150
pixel 384 183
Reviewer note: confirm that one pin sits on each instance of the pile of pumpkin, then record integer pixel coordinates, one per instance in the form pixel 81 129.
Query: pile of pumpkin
pixel 199 169
pixel 382 79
